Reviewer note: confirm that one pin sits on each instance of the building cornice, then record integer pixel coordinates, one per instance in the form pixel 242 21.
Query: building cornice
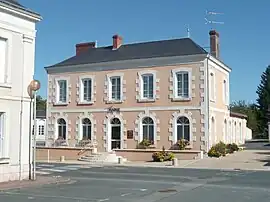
pixel 20 12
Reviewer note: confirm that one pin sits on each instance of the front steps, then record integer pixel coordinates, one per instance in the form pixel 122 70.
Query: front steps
pixel 102 157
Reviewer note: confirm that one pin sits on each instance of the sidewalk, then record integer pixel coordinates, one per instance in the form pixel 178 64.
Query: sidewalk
pixel 29 183
pixel 252 158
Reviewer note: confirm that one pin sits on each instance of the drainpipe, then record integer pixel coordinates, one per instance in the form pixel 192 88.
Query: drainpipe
pixel 21 115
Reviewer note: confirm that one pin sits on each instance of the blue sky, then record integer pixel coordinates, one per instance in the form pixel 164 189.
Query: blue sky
pixel 244 37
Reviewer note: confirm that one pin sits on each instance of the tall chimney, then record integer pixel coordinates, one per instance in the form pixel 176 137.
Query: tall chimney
pixel 117 41
pixel 214 43
pixel 82 47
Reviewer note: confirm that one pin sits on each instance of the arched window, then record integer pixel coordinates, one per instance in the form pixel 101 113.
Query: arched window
pixel 225 131
pixel 115 133
pixel 86 129
pixel 62 128
pixel 183 128
pixel 148 129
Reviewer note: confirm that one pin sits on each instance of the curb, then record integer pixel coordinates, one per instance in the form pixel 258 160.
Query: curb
pixel 11 185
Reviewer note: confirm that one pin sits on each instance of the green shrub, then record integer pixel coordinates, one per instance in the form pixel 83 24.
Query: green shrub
pixel 232 148
pixel 217 150
pixel 182 144
pixel 144 144
pixel 214 153
pixel 162 156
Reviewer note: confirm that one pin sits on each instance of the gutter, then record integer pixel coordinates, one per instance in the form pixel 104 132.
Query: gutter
pixel 207 102
pixel 21 11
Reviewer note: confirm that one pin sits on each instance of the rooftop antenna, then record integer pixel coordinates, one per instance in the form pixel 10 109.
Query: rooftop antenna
pixel 209 18
pixel 188 31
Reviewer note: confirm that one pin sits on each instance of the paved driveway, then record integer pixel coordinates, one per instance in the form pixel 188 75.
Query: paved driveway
pixel 256 155
pixel 131 184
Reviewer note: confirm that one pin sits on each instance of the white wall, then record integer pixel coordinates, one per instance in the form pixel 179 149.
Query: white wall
pixel 20 32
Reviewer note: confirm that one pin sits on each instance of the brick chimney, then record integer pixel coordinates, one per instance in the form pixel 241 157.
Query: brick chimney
pixel 117 41
pixel 82 47
pixel 214 43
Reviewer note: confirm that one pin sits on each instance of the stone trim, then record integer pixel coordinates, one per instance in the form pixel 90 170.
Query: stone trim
pixel 107 89
pixel 173 126
pixel 106 130
pixel 55 90
pixel 138 126
pixel 173 85
pixel 52 126
pixel 139 86
pixel 78 129
pixel 79 89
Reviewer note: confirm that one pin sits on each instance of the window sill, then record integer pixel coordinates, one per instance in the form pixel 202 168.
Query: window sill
pixel 179 99
pixel 114 102
pixel 4 161
pixel 60 104
pixel 146 100
pixel 5 85
pixel 85 103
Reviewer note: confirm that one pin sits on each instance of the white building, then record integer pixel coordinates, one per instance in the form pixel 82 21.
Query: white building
pixel 17 53
pixel 41 128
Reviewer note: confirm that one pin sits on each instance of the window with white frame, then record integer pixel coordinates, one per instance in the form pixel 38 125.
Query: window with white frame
pixel 183 128
pixel 212 86
pixel 3 60
pixel 148 86
pixel 115 88
pixel 148 129
pixel 2 134
pixel 86 129
pixel 182 84
pixel 62 91
pixel 86 90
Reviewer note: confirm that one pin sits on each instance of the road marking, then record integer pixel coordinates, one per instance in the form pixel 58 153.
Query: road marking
pixel 42 173
pixel 106 199
pixel 53 170
pixel 66 168
pixel 45 165
pixel 126 194
pixel 143 189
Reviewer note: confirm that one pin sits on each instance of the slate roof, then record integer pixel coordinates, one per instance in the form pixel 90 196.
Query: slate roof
pixel 16 4
pixel 154 49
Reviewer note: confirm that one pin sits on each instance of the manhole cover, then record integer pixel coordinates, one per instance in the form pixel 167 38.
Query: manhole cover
pixel 167 190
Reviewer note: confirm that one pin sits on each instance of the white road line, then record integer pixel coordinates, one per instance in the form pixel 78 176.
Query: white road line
pixel 53 170
pixel 42 173
pixel 66 168
pixel 106 199
pixel 45 165
pixel 126 194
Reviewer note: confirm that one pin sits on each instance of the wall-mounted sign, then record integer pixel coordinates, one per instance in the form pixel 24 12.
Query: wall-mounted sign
pixel 113 109
pixel 130 134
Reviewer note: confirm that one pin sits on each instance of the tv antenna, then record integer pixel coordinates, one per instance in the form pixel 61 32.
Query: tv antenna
pixel 209 18
pixel 188 31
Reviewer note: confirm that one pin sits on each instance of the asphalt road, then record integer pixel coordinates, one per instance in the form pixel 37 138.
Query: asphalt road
pixel 131 184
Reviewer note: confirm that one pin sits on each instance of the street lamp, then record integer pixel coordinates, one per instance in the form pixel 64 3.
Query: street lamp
pixel 33 87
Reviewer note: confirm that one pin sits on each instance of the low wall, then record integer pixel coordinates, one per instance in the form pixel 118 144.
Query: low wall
pixel 146 154
pixel 54 153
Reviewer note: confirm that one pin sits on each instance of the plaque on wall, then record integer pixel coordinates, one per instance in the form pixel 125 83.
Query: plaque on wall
pixel 130 134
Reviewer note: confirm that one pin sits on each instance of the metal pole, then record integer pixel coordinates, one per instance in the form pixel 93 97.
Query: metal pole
pixel 35 135
pixel 30 139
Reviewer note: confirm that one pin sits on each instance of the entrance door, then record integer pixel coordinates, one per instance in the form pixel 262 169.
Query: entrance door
pixel 115 134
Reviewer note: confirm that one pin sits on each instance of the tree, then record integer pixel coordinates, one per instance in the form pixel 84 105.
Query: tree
pixel 263 100
pixel 41 103
pixel 250 110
